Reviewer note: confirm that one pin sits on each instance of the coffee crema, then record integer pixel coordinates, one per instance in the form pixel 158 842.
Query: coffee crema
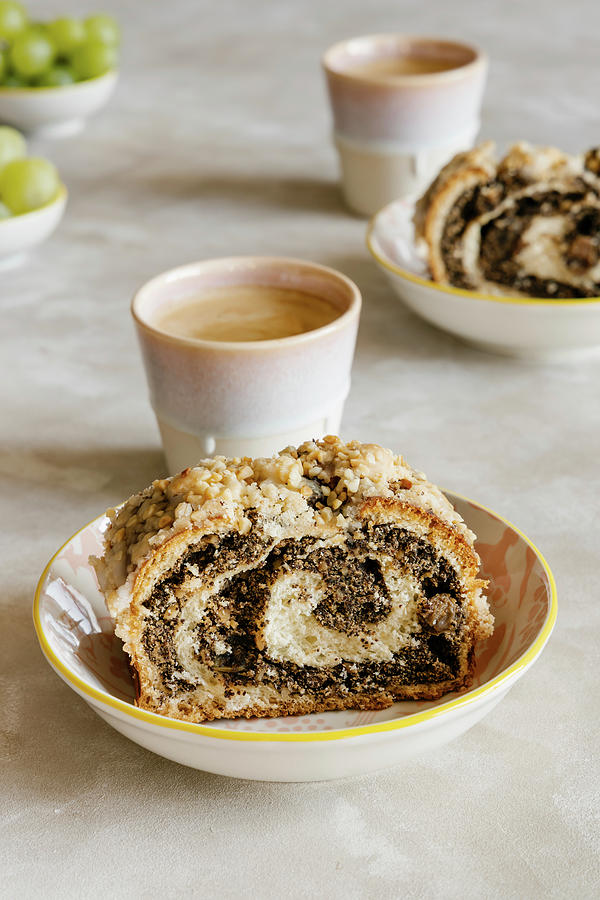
pixel 242 312
pixel 401 66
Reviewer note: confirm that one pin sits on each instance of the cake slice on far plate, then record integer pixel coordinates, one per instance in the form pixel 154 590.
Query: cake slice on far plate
pixel 525 225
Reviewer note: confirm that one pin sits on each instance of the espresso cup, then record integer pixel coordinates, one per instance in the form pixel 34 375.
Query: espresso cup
pixel 402 107
pixel 245 398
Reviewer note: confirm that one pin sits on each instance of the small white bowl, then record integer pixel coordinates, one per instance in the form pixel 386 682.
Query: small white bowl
pixel 516 326
pixel 18 234
pixel 77 637
pixel 55 111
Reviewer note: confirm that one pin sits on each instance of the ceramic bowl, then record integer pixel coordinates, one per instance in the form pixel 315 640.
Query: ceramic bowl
pixel 18 234
pixel 517 326
pixel 76 636
pixel 55 111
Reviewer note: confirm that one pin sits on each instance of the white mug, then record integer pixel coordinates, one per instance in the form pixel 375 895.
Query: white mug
pixel 394 131
pixel 246 398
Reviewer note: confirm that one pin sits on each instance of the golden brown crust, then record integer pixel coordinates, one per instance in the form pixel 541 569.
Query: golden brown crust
pixel 304 707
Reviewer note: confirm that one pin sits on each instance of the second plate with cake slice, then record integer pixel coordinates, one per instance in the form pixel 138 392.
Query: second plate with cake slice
pixel 503 254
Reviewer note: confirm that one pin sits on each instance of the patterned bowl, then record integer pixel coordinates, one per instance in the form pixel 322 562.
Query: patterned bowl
pixel 515 326
pixel 76 636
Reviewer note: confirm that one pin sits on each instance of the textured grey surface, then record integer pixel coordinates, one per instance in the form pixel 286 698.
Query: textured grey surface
pixel 217 142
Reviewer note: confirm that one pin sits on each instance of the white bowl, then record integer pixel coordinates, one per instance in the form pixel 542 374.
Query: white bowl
pixel 518 326
pixel 18 234
pixel 55 111
pixel 76 636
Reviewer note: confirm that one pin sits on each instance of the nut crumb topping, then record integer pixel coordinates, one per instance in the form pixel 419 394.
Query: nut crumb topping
pixel 321 485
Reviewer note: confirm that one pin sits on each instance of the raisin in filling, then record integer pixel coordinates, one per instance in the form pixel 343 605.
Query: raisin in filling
pixel 354 596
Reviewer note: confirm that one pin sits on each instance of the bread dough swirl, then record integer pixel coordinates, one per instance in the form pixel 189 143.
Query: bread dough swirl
pixel 528 225
pixel 330 576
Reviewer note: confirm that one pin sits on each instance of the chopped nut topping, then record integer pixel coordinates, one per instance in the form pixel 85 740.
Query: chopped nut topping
pixel 308 484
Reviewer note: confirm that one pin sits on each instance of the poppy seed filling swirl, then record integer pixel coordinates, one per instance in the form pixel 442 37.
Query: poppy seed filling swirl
pixel 353 598
pixel 527 225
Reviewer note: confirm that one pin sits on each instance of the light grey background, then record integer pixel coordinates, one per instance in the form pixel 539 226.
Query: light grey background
pixel 216 143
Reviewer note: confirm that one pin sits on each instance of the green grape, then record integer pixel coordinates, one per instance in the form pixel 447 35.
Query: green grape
pixel 13 19
pixel 38 27
pixel 104 29
pixel 12 145
pixel 67 34
pixel 27 184
pixel 32 54
pixel 93 59
pixel 57 77
pixel 5 212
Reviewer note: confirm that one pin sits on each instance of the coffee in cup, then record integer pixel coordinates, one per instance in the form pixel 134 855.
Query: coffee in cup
pixel 246 312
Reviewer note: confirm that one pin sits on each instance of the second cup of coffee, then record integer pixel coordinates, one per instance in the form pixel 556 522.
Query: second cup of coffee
pixel 246 355
pixel 402 107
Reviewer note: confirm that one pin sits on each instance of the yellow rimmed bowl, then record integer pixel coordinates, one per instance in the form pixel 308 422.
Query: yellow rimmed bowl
pixel 55 111
pixel 19 234
pixel 515 326
pixel 76 636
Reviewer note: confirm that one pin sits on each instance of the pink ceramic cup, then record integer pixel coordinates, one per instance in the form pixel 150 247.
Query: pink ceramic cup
pixel 394 131
pixel 246 398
